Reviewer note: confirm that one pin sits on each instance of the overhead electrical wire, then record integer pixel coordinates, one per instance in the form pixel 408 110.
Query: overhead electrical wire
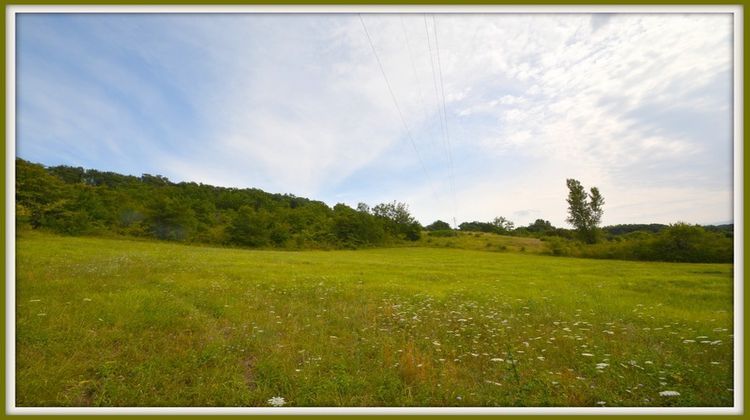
pixel 442 110
pixel 414 69
pixel 398 108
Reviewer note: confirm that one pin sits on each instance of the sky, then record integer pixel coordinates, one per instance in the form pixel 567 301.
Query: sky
pixel 460 116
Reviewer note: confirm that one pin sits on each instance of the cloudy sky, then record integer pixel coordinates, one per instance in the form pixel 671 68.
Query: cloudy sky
pixel 472 115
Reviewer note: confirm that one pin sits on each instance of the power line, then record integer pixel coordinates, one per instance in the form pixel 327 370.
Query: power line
pixel 446 133
pixel 414 68
pixel 398 108
pixel 434 83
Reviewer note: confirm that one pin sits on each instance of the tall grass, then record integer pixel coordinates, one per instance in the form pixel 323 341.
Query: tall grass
pixel 104 322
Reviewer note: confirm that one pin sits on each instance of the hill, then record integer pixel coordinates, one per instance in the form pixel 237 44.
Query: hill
pixel 76 201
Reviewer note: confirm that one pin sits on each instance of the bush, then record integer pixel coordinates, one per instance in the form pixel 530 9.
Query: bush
pixel 679 242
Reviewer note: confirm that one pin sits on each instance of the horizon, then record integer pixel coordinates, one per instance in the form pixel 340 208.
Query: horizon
pixel 457 115
pixel 423 223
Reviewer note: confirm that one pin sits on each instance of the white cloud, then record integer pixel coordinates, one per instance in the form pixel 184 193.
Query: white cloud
pixel 297 103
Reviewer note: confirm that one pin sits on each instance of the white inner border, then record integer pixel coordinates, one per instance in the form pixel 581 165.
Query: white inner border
pixel 10 103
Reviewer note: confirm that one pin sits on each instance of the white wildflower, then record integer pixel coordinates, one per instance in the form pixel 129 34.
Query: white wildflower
pixel 587 354
pixel 669 394
pixel 601 365
pixel 276 401
pixel 496 359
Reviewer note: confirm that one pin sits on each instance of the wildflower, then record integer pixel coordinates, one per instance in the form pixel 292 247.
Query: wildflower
pixel 601 365
pixel 688 341
pixel 276 401
pixel 601 403
pixel 86 300
pixel 496 359
pixel 669 394
pixel 587 354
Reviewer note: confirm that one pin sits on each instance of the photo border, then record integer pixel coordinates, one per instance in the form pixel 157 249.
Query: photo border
pixel 740 175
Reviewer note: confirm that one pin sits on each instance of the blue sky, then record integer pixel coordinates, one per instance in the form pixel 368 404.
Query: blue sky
pixel 639 105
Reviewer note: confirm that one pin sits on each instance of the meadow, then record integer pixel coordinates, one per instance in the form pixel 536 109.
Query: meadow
pixel 111 322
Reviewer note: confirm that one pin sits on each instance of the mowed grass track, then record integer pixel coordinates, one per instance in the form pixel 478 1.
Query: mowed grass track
pixel 102 322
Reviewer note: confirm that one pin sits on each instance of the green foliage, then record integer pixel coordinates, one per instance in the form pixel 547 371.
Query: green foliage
pixel 438 225
pixel 502 225
pixel 398 221
pixel 679 242
pixel 540 226
pixel 585 211
pixel 78 201
pixel 682 242
pixel 355 229
pixel 499 225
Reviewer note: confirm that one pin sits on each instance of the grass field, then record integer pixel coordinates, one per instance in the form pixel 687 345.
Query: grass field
pixel 103 322
pixel 480 241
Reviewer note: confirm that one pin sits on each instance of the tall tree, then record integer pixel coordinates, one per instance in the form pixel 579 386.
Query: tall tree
pixel 502 225
pixel 584 210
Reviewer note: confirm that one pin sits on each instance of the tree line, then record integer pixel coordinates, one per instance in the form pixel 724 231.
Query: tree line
pixel 77 201
pixel 679 242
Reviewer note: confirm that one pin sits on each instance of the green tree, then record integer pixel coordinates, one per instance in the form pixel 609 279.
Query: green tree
pixel 540 226
pixel 584 210
pixel 170 218
pixel 438 225
pixel 502 225
pixel 399 221
pixel 250 227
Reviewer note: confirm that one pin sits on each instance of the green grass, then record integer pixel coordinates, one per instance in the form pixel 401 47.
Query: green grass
pixel 481 241
pixel 104 322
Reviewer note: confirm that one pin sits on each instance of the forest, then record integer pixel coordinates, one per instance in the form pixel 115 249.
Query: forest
pixel 76 201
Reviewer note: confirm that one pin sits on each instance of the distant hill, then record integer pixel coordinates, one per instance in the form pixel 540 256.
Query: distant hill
pixel 78 201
